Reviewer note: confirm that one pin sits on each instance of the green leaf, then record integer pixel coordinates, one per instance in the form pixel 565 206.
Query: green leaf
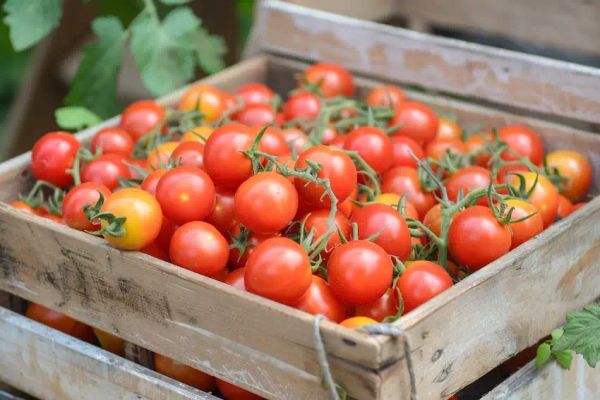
pixel 582 334
pixel 174 2
pixel 95 83
pixel 543 354
pixel 31 20
pixel 564 358
pixel 167 53
pixel 76 118
pixel 557 334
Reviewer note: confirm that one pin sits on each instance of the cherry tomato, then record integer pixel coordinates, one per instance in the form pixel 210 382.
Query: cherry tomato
pixel 346 207
pixel 373 146
pixel 141 117
pixel 295 139
pixel 110 342
pixel 198 134
pixel 256 115
pixel 339 141
pixel 389 224
pixel 565 207
pixel 336 166
pixel 359 272
pixel 508 172
pixel 52 155
pixel 317 220
pixel 405 182
pixel 77 198
pixel 183 373
pixel 224 159
pixel 231 392
pixel 524 230
pixel 402 147
pixel 278 269
pixel 544 195
pixel 53 217
pixel 476 238
pixel 576 170
pixel 143 218
pixel 319 299
pixel 106 170
pixel 468 179
pixel 438 148
pixel 137 168
pixel 385 95
pixel 229 102
pixel 393 199
pixel 578 206
pixel 189 154
pixel 204 98
pixel 151 181
pixel 112 140
pixel 157 251
pixel 253 241
pixel 524 141
pixel 417 122
pixel 27 208
pixel 330 134
pixel 167 230
pixel 448 130
pixel 254 93
pixel 421 281
pixel 160 156
pixel 266 202
pixel 331 79
pixel 223 214
pixel 303 106
pixel 236 278
pixel 433 219
pixel 61 322
pixel 357 322
pixel 199 247
pixel 186 194
pixel 385 306
pixel 476 145
pixel 273 142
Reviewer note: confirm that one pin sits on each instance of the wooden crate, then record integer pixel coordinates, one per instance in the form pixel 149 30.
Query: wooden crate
pixel 49 365
pixel 550 383
pixel 267 347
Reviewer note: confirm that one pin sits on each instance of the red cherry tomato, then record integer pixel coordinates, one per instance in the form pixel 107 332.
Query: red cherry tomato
pixel 359 272
pixel 579 205
pixel 266 202
pixel 236 278
pixel 417 122
pixel 336 166
pixel 52 155
pixel 330 135
pixel 189 154
pixel 151 181
pixel 420 282
pixel 476 238
pixel 385 95
pixel 278 269
pixel 141 117
pixel 476 145
pixel 524 141
pixel 231 392
pixel 433 219
pixel 524 230
pixel 183 373
pixel 438 148
pixel 303 106
pixel 448 130
pixel 405 182
pixel 256 115
pixel 565 207
pixel 402 147
pixel 373 145
pixel 106 170
pixel 186 194
pixel 229 102
pixel 394 236
pixel 331 79
pixel 223 158
pixel 157 251
pixel 199 247
pixel 317 220
pixel 76 199
pixel 167 229
pixel 576 171
pixel 254 93
pixel 61 322
pixel 27 208
pixel 113 140
pixel 273 142
pixel 319 299
pixel 385 306
pixel 137 168
pixel 204 98
pixel 468 179
pixel 296 140
pixel 223 214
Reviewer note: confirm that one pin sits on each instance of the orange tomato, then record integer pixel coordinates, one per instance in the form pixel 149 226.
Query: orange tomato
pixel 448 130
pixel 197 134
pixel 576 170
pixel 357 322
pixel 204 98
pixel 526 229
pixel 565 207
pixel 183 373
pixel 544 195
pixel 110 342
pixel 232 392
pixel 61 322
pixel 160 155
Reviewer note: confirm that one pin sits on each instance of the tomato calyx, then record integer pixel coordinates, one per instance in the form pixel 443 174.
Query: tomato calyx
pixel 240 241
pixel 35 198
pixel 115 226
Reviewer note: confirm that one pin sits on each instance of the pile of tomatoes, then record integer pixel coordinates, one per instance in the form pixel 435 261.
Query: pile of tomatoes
pixel 357 209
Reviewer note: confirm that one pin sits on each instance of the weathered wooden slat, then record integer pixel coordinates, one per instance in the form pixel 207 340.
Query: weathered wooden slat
pixel 456 67
pixel 51 365
pixel 550 383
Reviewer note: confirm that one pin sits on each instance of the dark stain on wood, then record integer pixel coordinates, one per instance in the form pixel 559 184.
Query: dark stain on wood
pixel 349 342
pixel 443 375
pixel 9 264
pixel 436 355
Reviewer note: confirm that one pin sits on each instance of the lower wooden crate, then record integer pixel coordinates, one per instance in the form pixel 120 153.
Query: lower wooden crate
pixel 550 383
pixel 49 364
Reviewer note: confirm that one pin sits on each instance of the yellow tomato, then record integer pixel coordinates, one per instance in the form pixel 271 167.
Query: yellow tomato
pixel 159 157
pixel 197 134
pixel 357 322
pixel 206 99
